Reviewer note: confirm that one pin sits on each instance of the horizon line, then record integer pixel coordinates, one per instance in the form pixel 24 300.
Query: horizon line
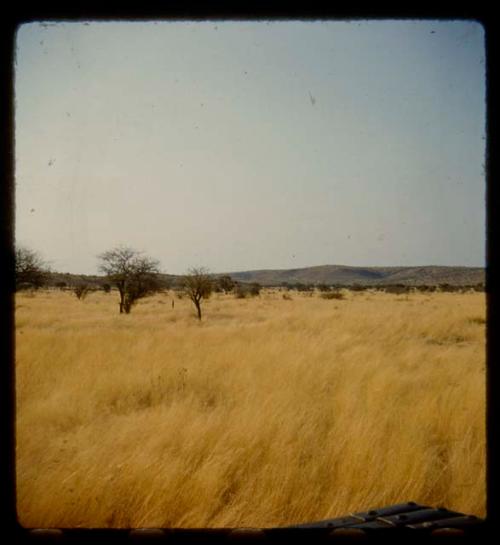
pixel 301 268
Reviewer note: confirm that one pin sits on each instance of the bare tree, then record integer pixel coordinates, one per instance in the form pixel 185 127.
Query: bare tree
pixel 133 274
pixel 198 285
pixel 31 270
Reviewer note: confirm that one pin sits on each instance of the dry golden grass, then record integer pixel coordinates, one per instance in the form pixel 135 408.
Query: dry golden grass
pixel 268 412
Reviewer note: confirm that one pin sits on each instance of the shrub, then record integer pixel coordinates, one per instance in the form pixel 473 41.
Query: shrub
pixel 303 287
pixel 357 287
pixel 332 295
pixel 397 289
pixel 81 291
pixel 240 292
pixel 247 290
pixel 254 289
pixel 26 286
pixel 478 320
pixel 224 284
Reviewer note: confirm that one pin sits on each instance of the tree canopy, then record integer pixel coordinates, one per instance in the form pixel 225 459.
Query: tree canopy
pixel 30 268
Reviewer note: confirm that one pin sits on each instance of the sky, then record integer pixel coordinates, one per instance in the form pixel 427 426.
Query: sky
pixel 242 145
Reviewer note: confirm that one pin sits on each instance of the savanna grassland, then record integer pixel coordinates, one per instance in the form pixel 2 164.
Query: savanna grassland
pixel 267 412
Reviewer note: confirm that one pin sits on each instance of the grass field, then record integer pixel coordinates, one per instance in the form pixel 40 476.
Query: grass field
pixel 268 412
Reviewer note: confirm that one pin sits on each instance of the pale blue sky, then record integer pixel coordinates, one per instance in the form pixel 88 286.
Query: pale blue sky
pixel 247 145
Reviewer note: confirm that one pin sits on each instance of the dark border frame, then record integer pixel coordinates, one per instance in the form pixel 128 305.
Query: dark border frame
pixel 10 528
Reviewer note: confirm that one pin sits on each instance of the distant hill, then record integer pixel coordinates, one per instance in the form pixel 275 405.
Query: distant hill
pixel 339 275
pixel 373 276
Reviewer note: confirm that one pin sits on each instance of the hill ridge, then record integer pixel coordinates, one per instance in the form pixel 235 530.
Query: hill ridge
pixel 371 275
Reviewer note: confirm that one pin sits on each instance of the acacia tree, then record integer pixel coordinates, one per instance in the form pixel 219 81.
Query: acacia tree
pixel 197 285
pixel 225 283
pixel 133 274
pixel 30 268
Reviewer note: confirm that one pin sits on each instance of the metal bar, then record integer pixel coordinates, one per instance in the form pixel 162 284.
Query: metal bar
pixel 329 523
pixel 390 510
pixel 454 522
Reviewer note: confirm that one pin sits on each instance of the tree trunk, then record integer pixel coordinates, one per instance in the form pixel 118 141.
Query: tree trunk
pixel 122 298
pixel 198 308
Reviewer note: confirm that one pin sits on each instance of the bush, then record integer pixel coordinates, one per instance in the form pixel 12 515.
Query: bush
pixel 26 286
pixel 247 290
pixel 332 295
pixel 224 284
pixel 254 289
pixel 303 287
pixel 240 292
pixel 81 291
pixel 357 287
pixel 397 289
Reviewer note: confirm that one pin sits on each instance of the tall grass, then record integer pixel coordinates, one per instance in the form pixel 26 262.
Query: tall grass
pixel 267 413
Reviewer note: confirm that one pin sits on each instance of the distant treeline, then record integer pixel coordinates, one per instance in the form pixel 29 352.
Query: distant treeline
pixel 223 283
pixel 388 288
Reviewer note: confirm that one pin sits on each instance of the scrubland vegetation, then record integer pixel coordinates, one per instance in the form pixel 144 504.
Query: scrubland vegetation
pixel 270 411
